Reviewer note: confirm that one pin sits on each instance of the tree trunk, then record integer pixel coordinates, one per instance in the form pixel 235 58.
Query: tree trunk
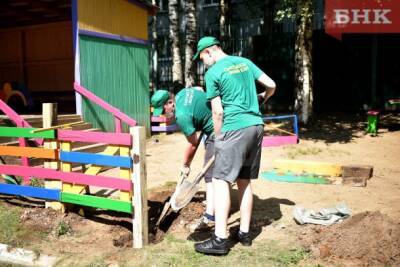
pixel 154 56
pixel 223 24
pixel 177 76
pixel 191 36
pixel 303 62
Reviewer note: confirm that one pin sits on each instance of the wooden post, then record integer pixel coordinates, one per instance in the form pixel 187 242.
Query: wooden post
pixel 139 180
pixel 49 111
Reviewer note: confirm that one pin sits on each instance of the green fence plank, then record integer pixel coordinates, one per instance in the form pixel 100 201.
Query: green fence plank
pixel 25 132
pixel 97 202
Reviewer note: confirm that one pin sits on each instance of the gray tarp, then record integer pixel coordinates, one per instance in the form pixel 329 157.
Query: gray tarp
pixel 325 216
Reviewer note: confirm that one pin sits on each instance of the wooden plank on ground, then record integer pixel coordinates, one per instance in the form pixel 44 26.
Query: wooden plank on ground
pixel 292 178
pixel 97 202
pixel 362 171
pixel 303 166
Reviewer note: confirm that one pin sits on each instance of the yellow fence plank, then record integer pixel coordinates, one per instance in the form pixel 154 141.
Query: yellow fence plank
pixel 125 174
pixel 303 166
pixel 92 170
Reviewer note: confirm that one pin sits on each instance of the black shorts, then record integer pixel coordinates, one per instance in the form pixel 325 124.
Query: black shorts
pixel 238 154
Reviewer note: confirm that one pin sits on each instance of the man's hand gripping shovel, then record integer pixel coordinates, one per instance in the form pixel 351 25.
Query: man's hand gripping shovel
pixel 182 186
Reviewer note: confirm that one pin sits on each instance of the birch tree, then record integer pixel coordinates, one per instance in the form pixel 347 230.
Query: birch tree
pixel 190 43
pixel 177 76
pixel 303 12
pixel 223 23
pixel 154 59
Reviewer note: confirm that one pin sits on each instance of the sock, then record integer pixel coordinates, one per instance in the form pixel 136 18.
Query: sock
pixel 209 217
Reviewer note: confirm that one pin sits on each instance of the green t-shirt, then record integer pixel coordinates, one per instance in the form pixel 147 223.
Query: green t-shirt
pixel 192 112
pixel 233 79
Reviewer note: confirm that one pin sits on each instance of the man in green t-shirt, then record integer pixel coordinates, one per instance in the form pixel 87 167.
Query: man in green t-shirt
pixel 192 114
pixel 238 127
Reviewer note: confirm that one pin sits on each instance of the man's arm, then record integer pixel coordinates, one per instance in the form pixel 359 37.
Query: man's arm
pixel 190 150
pixel 217 114
pixel 269 85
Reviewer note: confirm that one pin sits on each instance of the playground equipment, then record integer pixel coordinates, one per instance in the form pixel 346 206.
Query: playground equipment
pixel 372 122
pixel 164 124
pixel 289 138
pixel 15 98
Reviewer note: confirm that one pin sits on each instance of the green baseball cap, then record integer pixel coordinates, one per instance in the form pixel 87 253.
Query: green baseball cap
pixel 204 43
pixel 158 100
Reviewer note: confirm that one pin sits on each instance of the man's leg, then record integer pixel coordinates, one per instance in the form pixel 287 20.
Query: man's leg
pixel 210 199
pixel 245 203
pixel 222 205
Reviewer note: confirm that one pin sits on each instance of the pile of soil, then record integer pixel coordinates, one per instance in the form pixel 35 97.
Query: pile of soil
pixel 367 238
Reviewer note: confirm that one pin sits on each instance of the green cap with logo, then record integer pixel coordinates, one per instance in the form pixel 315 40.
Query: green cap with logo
pixel 204 43
pixel 158 100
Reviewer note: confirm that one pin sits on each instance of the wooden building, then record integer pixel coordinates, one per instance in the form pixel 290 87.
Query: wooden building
pixel 46 45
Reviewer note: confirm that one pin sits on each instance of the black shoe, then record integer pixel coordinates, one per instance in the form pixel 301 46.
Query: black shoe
pixel 214 245
pixel 243 238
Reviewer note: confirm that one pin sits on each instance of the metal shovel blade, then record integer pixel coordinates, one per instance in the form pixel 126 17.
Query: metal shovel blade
pixel 186 190
pixel 183 194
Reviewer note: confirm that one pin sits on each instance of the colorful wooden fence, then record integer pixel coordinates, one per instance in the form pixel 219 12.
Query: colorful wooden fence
pixel 164 124
pixel 289 138
pixel 125 151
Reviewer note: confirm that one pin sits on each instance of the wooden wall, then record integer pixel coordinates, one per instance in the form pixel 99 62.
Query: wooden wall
pixel 39 56
pixel 117 17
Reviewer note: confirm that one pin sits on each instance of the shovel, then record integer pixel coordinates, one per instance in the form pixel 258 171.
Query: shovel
pixel 168 204
pixel 186 190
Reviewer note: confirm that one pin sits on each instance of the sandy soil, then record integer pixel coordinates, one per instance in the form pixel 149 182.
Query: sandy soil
pixel 335 139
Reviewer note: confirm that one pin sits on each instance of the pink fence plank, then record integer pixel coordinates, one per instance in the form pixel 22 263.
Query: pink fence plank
pixel 279 140
pixel 69 177
pixel 95 137
pixel 116 112
pixel 158 119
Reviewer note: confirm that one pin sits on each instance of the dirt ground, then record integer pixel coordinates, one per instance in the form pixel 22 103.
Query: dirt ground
pixel 335 138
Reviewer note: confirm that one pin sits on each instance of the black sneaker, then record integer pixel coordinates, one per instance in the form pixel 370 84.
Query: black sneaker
pixel 243 238
pixel 214 245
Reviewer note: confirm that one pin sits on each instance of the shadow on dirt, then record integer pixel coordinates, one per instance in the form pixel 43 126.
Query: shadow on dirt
pixel 265 212
pixel 345 127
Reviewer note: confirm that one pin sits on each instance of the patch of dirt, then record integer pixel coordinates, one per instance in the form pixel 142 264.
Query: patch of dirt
pixel 365 239
pixel 173 221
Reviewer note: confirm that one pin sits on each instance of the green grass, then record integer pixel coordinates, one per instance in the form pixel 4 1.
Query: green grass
pixel 63 228
pixel 295 152
pixel 10 225
pixel 179 252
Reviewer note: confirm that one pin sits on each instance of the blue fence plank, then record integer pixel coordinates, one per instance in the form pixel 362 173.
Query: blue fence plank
pixel 97 159
pixel 30 191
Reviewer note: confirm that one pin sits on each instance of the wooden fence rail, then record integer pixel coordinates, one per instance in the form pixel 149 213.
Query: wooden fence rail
pixel 130 160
